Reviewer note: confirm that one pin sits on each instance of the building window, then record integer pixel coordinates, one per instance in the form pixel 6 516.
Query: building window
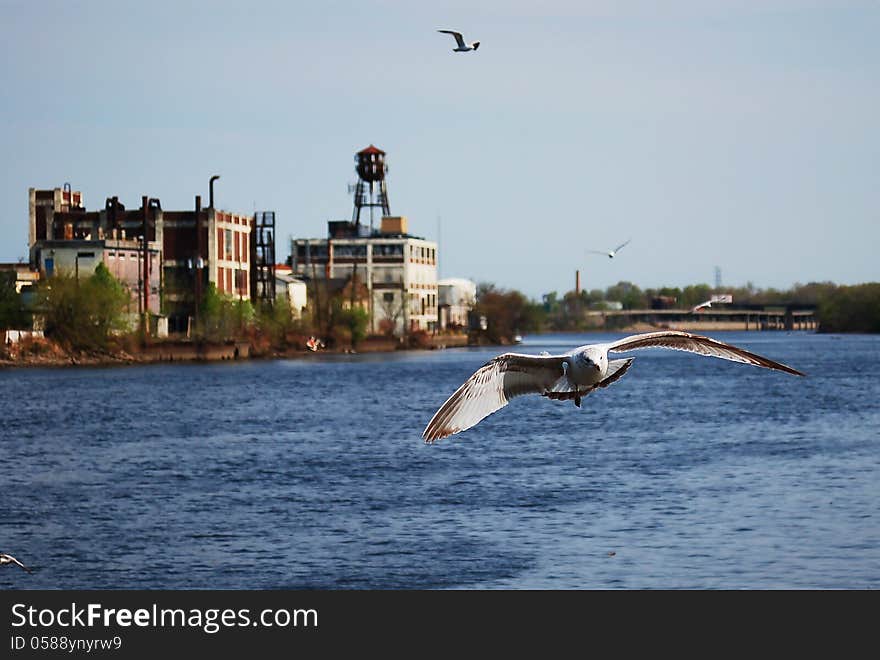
pixel 227 245
pixel 388 250
pixel 309 251
pixel 350 251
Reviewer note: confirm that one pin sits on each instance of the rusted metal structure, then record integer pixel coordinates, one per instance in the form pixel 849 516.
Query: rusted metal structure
pixel 263 258
pixel 371 190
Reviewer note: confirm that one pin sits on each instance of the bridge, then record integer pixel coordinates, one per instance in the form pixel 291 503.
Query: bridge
pixel 752 317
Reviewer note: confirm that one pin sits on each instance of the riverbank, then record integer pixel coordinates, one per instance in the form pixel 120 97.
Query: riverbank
pixel 39 352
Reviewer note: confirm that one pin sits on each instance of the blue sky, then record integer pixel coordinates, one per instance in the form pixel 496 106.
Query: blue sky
pixel 736 134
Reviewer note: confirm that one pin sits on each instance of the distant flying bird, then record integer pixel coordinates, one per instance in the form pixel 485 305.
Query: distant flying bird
pixel 462 46
pixel 610 253
pixel 569 376
pixel 9 559
pixel 717 298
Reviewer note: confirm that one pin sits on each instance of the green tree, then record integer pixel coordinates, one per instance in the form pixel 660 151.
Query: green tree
pixel 83 314
pixel 13 315
pixel 507 312
pixel 108 299
pixel 628 294
pixel 851 309
pixel 223 316
pixel 349 323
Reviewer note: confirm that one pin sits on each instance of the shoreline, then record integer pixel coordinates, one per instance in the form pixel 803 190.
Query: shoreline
pixel 47 354
pixel 188 352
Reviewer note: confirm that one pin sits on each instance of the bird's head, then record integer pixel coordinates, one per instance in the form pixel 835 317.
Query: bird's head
pixel 476 45
pixel 593 359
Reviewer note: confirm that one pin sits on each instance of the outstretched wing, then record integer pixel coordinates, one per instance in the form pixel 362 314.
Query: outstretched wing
pixel 622 245
pixel 458 38
pixel 602 252
pixel 13 560
pixel 684 341
pixel 490 388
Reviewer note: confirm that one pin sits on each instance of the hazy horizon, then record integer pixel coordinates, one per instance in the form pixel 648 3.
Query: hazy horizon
pixel 741 135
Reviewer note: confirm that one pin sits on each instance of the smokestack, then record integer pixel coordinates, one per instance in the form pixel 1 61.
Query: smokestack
pixel 577 282
pixel 211 188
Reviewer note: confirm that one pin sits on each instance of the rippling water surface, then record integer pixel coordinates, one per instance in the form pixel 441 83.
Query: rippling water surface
pixel 688 473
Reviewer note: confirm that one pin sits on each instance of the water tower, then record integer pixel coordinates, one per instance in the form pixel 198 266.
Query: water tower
pixel 370 190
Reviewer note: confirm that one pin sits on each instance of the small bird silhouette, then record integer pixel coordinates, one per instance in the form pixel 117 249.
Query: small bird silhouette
pixel 610 253
pixel 462 46
pixel 9 559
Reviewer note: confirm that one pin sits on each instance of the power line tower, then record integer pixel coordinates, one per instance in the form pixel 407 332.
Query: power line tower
pixel 370 190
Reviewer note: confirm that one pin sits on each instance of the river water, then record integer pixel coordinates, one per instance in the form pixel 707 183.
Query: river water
pixel 689 472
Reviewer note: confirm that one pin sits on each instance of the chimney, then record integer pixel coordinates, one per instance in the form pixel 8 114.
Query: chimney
pixel 577 282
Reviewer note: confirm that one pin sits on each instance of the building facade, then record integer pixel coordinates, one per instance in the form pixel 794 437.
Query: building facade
pixel 292 290
pixel 66 238
pixel 457 297
pixel 398 270
pixel 165 258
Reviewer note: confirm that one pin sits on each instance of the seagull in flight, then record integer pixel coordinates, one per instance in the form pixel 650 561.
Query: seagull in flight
pixel 462 46
pixel 9 559
pixel 610 253
pixel 566 377
pixel 718 298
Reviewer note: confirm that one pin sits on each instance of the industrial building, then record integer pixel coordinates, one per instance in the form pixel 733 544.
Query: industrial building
pixel 397 269
pixel 292 290
pixel 165 258
pixel 456 299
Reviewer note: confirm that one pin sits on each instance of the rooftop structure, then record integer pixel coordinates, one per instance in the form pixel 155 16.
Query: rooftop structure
pixel 396 271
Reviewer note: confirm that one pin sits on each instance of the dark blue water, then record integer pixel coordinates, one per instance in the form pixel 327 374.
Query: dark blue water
pixel 311 473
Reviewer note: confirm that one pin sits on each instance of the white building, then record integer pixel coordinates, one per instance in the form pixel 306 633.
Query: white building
pixel 399 270
pixel 292 289
pixel 457 297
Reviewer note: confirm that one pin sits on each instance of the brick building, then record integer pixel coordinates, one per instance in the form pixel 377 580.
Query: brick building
pixel 165 258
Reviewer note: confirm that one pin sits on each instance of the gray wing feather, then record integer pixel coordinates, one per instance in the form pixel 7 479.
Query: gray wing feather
pixel 12 560
pixel 684 341
pixel 490 388
pixel 458 36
